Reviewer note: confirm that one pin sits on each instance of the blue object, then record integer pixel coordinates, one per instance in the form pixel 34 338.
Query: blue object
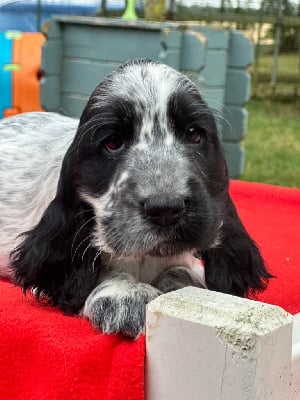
pixel 5 73
pixel 22 15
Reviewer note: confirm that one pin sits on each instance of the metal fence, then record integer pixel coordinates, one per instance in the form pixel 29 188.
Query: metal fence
pixel 274 29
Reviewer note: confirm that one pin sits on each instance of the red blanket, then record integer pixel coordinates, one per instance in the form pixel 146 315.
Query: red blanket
pixel 271 215
pixel 48 356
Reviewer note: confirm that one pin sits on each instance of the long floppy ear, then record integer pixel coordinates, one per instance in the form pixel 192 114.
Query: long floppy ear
pixel 54 257
pixel 236 265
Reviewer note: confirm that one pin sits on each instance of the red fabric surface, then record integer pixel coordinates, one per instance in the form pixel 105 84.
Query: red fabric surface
pixel 271 215
pixel 48 356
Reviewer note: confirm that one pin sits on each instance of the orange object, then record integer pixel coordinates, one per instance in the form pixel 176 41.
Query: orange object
pixel 9 112
pixel 27 54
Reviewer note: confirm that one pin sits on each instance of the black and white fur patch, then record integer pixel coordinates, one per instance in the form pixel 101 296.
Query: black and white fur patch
pixel 117 209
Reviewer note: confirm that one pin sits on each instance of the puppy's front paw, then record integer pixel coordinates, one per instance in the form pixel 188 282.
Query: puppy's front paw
pixel 119 306
pixel 175 278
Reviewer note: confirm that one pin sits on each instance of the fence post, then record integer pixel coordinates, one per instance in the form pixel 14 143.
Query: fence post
pixel 276 48
pixel 205 345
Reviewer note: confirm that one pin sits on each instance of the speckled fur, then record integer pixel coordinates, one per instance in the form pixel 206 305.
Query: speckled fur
pixel 32 147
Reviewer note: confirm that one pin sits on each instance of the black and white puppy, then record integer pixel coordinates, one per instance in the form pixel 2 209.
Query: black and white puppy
pixel 116 210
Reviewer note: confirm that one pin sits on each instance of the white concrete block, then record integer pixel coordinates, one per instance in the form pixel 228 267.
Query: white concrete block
pixel 205 345
pixel 295 379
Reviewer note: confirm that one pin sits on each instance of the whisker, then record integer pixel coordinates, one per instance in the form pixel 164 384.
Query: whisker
pixel 82 226
pixel 77 248
pixel 85 250
pixel 83 211
pixel 95 259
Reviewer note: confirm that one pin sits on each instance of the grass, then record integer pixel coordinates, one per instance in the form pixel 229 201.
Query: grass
pixel 273 143
pixel 288 65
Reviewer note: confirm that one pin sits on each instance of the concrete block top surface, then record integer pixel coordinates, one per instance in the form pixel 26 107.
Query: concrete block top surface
pixel 237 321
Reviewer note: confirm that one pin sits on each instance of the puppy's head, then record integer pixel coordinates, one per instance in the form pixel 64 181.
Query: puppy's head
pixel 149 163
pixel 144 175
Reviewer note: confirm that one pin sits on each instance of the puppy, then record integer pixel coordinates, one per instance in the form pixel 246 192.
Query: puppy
pixel 102 217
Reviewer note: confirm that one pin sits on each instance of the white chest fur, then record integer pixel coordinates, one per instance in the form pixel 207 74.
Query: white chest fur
pixel 145 269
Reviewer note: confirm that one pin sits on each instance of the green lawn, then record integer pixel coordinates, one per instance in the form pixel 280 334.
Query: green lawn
pixel 288 77
pixel 288 68
pixel 273 143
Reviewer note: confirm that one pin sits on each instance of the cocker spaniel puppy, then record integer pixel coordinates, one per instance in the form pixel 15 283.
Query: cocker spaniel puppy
pixel 102 217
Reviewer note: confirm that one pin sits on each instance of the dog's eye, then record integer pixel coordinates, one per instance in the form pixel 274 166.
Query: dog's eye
pixel 113 143
pixel 195 134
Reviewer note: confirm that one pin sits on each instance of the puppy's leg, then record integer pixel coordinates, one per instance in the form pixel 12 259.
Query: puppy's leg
pixel 118 305
pixel 175 278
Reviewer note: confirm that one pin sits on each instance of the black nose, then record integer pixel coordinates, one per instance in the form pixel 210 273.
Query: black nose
pixel 163 212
